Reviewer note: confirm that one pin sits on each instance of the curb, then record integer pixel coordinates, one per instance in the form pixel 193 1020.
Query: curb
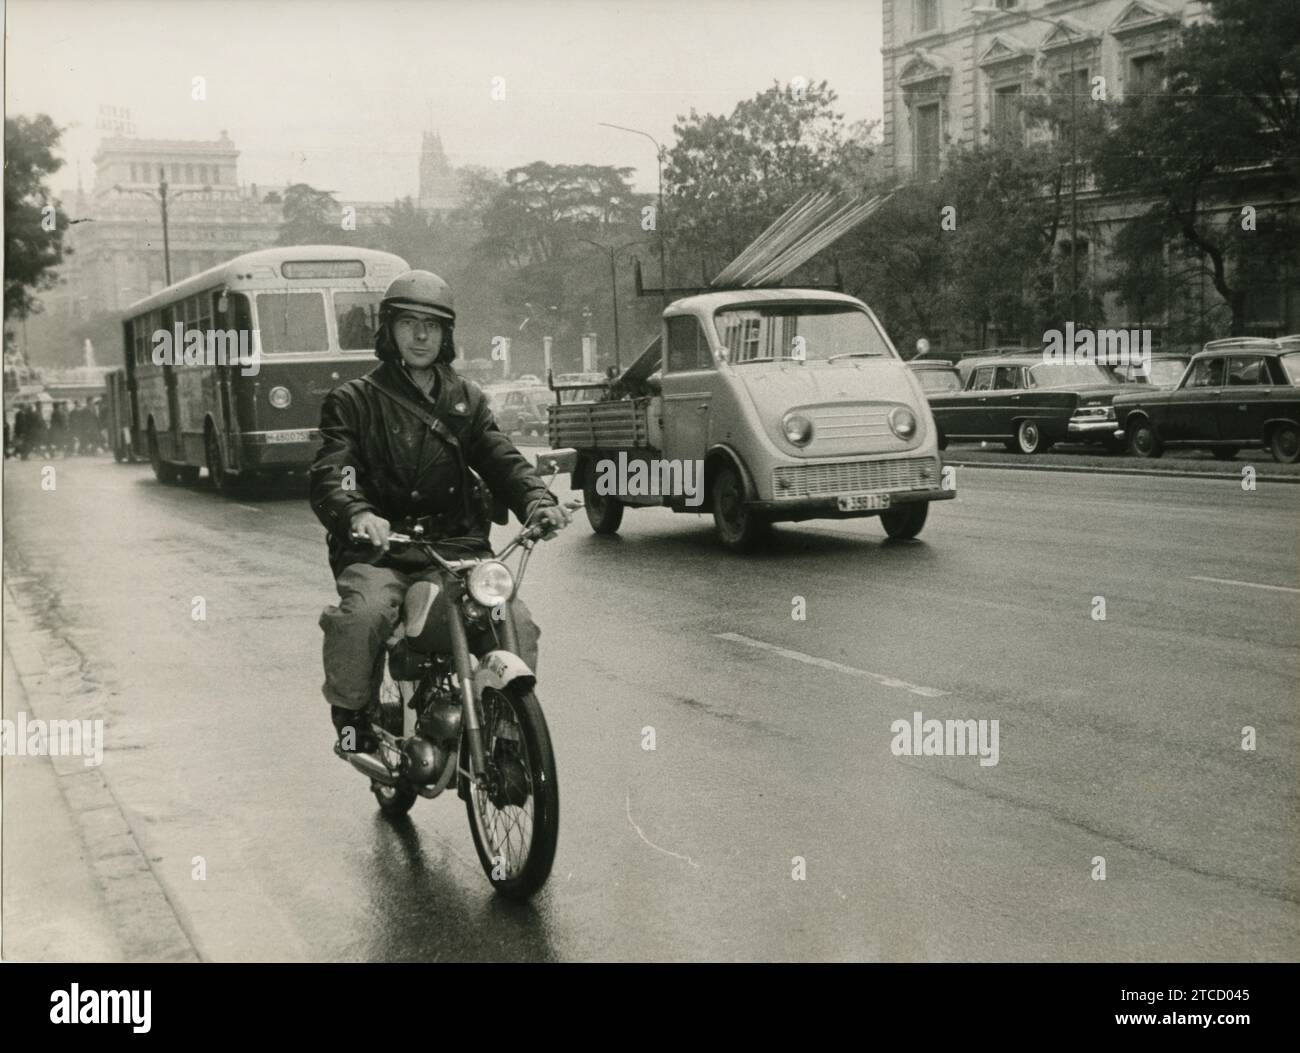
pixel 1081 469
pixel 142 917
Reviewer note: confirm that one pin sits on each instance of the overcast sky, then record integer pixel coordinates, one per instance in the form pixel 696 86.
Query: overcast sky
pixel 337 94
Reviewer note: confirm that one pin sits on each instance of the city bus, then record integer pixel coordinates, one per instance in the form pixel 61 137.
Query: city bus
pixel 277 330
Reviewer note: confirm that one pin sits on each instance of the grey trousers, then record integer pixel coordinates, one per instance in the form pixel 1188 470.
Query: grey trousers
pixel 369 607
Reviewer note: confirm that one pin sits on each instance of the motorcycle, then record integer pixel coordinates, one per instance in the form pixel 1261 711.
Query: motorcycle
pixel 441 715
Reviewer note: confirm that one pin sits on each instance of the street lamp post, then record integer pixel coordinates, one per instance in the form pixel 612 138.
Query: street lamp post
pixel 659 208
pixel 161 197
pixel 984 11
pixel 613 290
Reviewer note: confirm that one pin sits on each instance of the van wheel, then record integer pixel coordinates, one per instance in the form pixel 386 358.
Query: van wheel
pixel 738 527
pixel 604 511
pixel 905 521
pixel 1285 444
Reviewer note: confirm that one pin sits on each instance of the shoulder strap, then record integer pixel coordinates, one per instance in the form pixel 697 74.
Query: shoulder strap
pixel 439 428
pixel 423 414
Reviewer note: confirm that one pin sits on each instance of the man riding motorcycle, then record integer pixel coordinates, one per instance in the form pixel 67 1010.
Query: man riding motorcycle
pixel 403 447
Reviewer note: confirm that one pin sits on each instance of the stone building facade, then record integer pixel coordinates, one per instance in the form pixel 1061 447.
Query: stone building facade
pixel 954 79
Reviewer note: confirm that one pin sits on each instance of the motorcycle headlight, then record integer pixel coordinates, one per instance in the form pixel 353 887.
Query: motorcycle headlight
pixel 280 397
pixel 798 428
pixel 490 584
pixel 902 421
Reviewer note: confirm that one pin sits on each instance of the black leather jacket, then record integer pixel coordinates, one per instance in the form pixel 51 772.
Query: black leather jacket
pixel 402 469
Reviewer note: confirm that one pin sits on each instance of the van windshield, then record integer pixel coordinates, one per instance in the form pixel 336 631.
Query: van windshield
pixel 813 332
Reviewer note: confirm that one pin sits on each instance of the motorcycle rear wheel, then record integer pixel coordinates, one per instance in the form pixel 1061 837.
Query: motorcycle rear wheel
pixel 516 822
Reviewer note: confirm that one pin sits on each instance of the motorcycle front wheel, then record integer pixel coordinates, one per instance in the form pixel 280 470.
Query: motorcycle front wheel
pixel 515 818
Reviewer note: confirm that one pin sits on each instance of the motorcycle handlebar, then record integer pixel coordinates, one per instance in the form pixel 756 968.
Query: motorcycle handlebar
pixel 532 533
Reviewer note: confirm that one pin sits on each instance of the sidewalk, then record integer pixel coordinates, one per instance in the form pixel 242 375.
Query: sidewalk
pixel 52 908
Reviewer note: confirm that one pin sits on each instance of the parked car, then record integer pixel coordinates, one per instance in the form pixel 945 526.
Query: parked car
pixel 1164 370
pixel 936 376
pixel 523 410
pixel 1236 393
pixel 1028 404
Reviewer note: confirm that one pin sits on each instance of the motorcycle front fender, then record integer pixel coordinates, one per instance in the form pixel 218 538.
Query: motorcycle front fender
pixel 502 669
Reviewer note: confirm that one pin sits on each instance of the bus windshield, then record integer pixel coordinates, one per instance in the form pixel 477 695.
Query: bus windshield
pixel 357 315
pixel 810 331
pixel 292 322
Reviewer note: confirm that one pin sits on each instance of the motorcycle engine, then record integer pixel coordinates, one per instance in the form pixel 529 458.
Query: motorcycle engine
pixel 422 761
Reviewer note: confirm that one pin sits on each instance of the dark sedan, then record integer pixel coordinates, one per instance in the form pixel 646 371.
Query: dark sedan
pixel 937 377
pixel 1029 404
pixel 1235 393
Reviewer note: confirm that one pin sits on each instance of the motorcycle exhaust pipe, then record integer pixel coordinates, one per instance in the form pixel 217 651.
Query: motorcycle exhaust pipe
pixel 369 764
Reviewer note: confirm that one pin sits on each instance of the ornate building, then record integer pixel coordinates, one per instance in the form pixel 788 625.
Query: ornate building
pixel 117 241
pixel 954 79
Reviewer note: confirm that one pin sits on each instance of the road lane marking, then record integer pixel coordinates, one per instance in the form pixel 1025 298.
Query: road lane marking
pixel 836 667
pixel 251 508
pixel 657 848
pixel 1246 584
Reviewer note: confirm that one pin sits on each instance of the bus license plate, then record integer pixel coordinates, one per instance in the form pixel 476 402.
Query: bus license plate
pixel 289 436
pixel 864 502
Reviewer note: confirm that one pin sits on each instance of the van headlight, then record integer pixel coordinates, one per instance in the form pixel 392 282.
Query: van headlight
pixel 490 584
pixel 798 429
pixel 902 421
pixel 280 397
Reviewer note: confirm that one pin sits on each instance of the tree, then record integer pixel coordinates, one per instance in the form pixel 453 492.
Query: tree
pixel 727 178
pixel 312 217
pixel 1224 134
pixel 34 223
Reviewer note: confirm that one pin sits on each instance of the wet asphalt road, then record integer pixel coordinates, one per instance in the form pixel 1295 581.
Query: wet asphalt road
pixel 1118 738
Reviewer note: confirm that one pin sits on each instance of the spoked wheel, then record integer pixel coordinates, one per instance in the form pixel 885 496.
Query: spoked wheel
pixel 515 817
pixel 604 511
pixel 393 800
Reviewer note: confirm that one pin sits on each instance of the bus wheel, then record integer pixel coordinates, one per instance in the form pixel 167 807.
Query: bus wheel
pixel 223 481
pixel 162 471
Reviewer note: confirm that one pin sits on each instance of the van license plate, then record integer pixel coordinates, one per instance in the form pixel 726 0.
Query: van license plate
pixel 289 436
pixel 864 502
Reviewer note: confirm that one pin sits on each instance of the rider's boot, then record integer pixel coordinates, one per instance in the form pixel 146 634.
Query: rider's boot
pixel 353 727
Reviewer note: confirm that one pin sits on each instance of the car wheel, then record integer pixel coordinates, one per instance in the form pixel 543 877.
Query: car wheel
pixel 1029 439
pixel 1285 444
pixel 906 521
pixel 738 526
pixel 1143 441
pixel 1224 453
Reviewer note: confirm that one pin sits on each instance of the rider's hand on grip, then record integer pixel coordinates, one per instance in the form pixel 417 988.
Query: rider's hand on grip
pixel 552 519
pixel 366 526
